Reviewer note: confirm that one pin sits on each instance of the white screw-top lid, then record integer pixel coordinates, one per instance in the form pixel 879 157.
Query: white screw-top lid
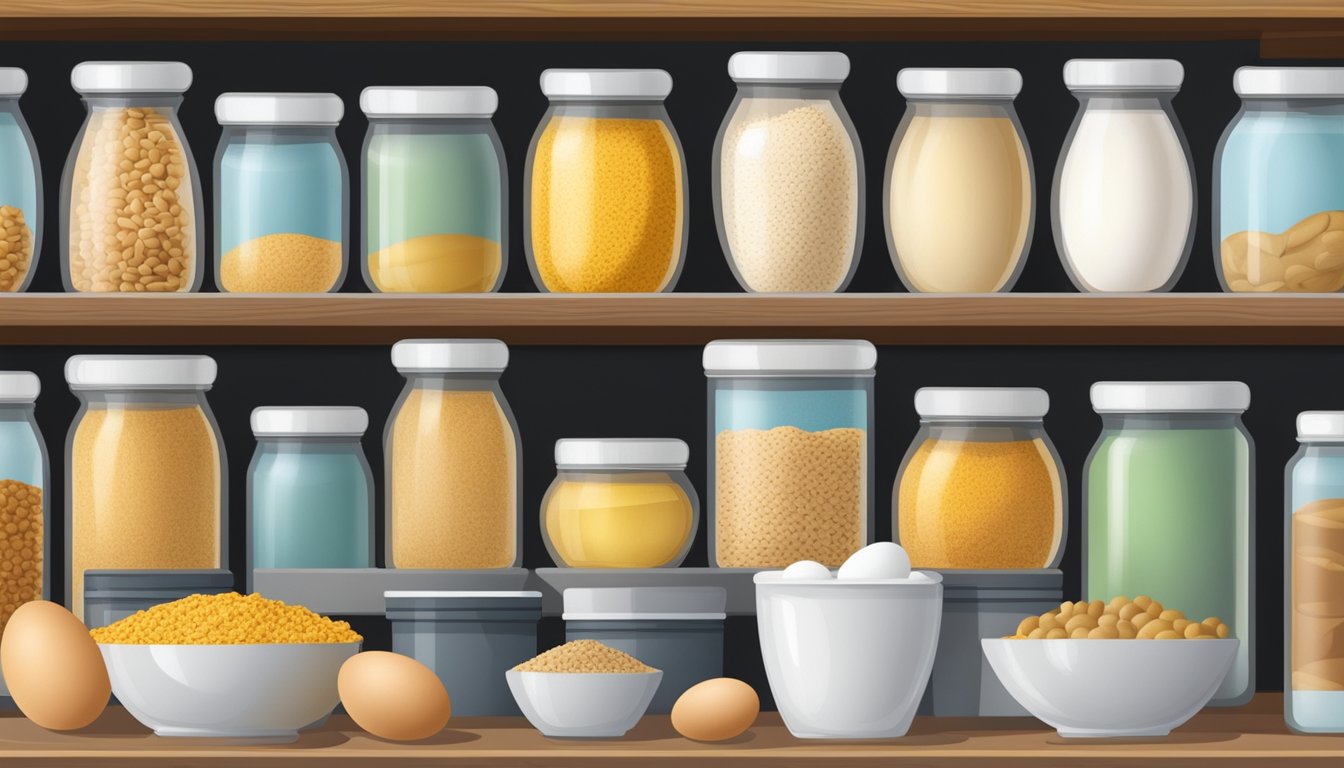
pixel 316 420
pixel 139 371
pixel 622 453
pixel 1170 396
pixel 804 356
pixel 1123 75
pixel 788 66
pixel 982 402
pixel 19 386
pixel 1320 425
pixel 1300 82
pixel 959 83
pixel 429 101
pixel 131 77
pixel 279 109
pixel 13 81
pixel 629 84
pixel 461 355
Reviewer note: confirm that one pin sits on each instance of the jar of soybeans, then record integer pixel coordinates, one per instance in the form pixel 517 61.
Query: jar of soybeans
pixel 20 188
pixel 24 478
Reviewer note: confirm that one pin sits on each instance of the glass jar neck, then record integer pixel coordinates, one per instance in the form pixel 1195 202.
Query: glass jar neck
pixel 185 397
pixel 787 90
pixel 634 110
pixel 983 430
pixel 1318 448
pixel 1156 420
pixel 256 132
pixel 1258 105
pixel 281 442
pixel 17 411
pixel 165 102
pixel 962 107
pixel 624 474
pixel 1127 100
pixel 470 380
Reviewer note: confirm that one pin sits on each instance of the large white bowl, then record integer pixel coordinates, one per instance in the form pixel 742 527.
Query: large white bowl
pixel 252 692
pixel 566 705
pixel 1088 688
pixel 848 659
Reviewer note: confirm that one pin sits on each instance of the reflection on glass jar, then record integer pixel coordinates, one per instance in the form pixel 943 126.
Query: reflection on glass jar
pixel 25 545
pixel 20 188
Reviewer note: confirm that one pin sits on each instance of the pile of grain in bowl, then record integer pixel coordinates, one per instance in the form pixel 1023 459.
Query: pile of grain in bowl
pixel 1142 618
pixel 226 619
pixel 585 656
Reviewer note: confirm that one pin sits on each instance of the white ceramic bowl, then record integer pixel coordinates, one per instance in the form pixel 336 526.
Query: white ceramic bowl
pixel 251 692
pixel 1086 688
pixel 848 659
pixel 583 706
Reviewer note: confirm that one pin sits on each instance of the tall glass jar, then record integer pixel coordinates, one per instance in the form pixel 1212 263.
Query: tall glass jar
pixel 1278 210
pixel 982 486
pixel 130 196
pixel 454 475
pixel 1167 507
pixel 435 191
pixel 282 194
pixel 24 503
pixel 145 468
pixel 790 451
pixel 20 188
pixel 960 189
pixel 788 174
pixel 1124 192
pixel 606 193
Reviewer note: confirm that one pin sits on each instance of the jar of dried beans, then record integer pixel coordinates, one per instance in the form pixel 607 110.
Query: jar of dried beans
pixel 20 188
pixel 24 517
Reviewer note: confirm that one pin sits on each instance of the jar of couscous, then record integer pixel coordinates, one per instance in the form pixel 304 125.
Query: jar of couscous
pixel 281 193
pixel 25 521
pixel 145 468
pixel 620 503
pixel 454 477
pixel 790 451
pixel 606 200
pixel 981 486
pixel 20 188
pixel 130 196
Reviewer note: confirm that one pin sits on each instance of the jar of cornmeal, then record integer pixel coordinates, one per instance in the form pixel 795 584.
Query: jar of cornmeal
pixel 24 506
pixel 981 486
pixel 606 196
pixel 620 503
pixel 960 189
pixel 435 190
pixel 454 476
pixel 281 193
pixel 1167 507
pixel 130 198
pixel 1278 209
pixel 146 467
pixel 790 451
pixel 20 188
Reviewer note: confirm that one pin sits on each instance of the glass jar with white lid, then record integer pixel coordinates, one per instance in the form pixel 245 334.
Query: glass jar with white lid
pixel 25 504
pixel 20 188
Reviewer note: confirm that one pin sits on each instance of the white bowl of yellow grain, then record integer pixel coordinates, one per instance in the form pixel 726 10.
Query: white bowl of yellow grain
pixel 583 690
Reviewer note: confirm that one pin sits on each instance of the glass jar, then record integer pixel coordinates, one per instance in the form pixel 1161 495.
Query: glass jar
pixel 1167 507
pixel 145 468
pixel 605 208
pixel 620 503
pixel 20 188
pixel 960 189
pixel 454 474
pixel 790 451
pixel 24 476
pixel 981 486
pixel 281 193
pixel 435 191
pixel 130 197
pixel 1124 191
pixel 309 489
pixel 1278 211
pixel 788 174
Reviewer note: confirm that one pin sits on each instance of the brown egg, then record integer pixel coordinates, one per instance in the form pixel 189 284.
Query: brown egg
pixel 393 696
pixel 53 668
pixel 716 710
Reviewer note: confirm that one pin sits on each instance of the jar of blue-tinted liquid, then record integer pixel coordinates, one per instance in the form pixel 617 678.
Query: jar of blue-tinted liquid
pixel 24 518
pixel 20 188
pixel 309 489
pixel 282 194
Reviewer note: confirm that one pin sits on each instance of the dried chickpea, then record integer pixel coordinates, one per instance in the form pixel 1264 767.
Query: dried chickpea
pixel 1126 629
pixel 1117 603
pixel 1028 624
pixel 1058 633
pixel 1037 634
pixel 1168 635
pixel 1103 633
pixel 1180 624
pixel 1080 621
pixel 1108 620
pixel 1154 627
pixel 1171 614
pixel 1143 601
pixel 1048 621
pixel 1129 611
pixel 1142 618
pixel 1192 631
pixel 1080 633
pixel 1066 608
pixel 1096 608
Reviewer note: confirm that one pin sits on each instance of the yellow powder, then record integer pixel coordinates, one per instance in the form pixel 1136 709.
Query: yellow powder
pixel 282 264
pixel 982 505
pixel 585 656
pixel 437 264
pixel 629 524
pixel 145 487
pixel 606 205
pixel 454 481
pixel 227 619
pixel 21 555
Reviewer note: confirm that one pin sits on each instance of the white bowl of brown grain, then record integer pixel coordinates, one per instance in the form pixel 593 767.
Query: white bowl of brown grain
pixel 583 690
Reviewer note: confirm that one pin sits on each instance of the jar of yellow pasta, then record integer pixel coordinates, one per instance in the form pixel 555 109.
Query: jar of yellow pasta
pixel 606 199
pixel 620 503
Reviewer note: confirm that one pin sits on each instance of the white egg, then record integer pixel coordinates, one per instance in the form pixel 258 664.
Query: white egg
pixel 807 569
pixel 883 560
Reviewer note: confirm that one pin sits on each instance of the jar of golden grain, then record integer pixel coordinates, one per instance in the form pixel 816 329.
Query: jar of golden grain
pixel 130 196
pixel 453 459
pixel 24 512
pixel 146 467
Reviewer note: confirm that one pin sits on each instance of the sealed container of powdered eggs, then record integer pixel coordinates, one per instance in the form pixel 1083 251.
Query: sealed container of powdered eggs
pixel 131 211
pixel 25 545
pixel 282 193
pixel 435 190
pixel 790 451
pixel 788 174
pixel 605 200
pixel 20 188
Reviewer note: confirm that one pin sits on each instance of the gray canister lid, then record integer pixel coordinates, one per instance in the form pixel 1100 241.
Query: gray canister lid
pixel 138 583
pixel 1034 584
pixel 455 605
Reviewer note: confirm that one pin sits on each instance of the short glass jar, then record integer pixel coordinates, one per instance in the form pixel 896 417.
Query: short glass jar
pixel 435 190
pixel 606 194
pixel 131 211
pixel 20 188
pixel 620 503
pixel 282 194
pixel 24 503
pixel 788 174
pixel 982 486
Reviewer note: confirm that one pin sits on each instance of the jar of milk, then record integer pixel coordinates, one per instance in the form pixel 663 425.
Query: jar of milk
pixel 1124 191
